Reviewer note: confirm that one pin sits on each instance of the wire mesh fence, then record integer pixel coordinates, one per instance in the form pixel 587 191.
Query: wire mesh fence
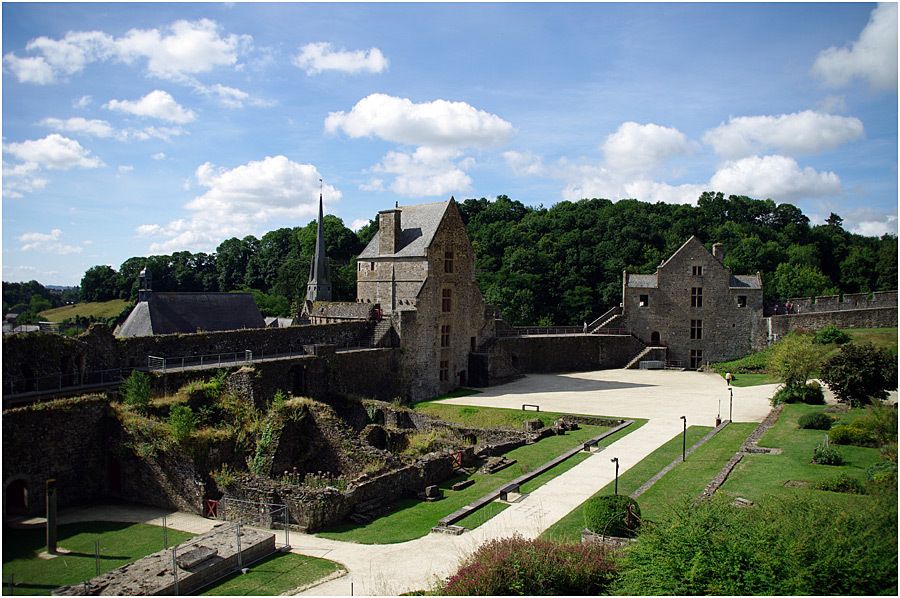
pixel 274 516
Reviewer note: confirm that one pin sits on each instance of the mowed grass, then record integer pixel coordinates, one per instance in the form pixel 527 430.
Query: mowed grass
pixel 485 417
pixel 100 309
pixel 413 518
pixel 743 380
pixel 276 574
pixel 882 338
pixel 689 479
pixel 762 478
pixel 568 529
pixel 120 543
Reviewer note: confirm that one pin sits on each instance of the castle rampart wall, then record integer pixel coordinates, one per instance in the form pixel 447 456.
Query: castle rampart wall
pixel 831 303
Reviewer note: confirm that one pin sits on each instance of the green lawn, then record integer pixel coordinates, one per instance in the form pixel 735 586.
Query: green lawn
pixel 883 338
pixel 568 529
pixel 276 574
pixel 691 477
pixel 485 417
pixel 102 309
pixel 761 478
pixel 742 380
pixel 413 518
pixel 120 543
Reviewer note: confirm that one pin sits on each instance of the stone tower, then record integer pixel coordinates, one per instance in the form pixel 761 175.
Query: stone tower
pixel 319 286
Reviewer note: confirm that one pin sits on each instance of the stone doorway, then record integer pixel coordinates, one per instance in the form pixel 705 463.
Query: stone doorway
pixel 654 339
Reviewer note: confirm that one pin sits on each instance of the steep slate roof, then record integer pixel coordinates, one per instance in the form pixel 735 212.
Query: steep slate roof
pixel 744 282
pixel 642 281
pixel 170 313
pixel 418 224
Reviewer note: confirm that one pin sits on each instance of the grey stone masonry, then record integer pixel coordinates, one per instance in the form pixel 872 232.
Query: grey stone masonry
pixel 694 306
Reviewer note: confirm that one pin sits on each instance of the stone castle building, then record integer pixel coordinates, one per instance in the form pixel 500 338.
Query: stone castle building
pixel 419 271
pixel 694 307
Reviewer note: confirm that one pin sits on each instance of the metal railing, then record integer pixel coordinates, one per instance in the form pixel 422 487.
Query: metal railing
pixel 163 364
pixel 617 310
pixel 59 382
pixel 548 330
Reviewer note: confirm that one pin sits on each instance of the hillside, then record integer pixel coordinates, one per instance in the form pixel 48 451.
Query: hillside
pixel 97 310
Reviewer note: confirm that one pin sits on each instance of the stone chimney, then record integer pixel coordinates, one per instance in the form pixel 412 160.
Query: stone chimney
pixel 388 231
pixel 719 251
pixel 145 286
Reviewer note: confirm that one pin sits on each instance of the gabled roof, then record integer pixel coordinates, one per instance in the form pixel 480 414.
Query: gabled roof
pixel 418 225
pixel 691 239
pixel 171 313
pixel 642 281
pixel 744 282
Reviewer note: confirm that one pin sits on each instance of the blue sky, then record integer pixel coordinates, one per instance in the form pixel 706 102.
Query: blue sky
pixel 139 129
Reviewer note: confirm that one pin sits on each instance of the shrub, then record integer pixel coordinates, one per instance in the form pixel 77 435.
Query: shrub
pixel 263 444
pixel 831 334
pixel 853 434
pixel 842 483
pixel 278 401
pixel 136 390
pixel 860 374
pixel 810 393
pixel 224 477
pixel 825 454
pixel 885 470
pixel 815 421
pixel 612 515
pixel 422 443
pixel 515 566
pixel 794 358
pixel 182 421
pixel 800 545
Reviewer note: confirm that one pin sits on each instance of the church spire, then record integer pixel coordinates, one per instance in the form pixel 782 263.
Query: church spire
pixel 319 286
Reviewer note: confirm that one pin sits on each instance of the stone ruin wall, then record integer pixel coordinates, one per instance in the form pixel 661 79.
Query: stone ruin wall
pixel 850 301
pixel 883 317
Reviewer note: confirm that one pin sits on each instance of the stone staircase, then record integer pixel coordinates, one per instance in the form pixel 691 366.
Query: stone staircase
pixel 605 320
pixel 648 351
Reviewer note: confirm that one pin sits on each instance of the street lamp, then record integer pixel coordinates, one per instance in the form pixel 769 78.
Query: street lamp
pixel 684 438
pixel 719 414
pixel 616 461
pixel 730 404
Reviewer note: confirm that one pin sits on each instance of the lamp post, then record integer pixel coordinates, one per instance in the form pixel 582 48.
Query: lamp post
pixel 684 439
pixel 719 413
pixel 730 404
pixel 616 461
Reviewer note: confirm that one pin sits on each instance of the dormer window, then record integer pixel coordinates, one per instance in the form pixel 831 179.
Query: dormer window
pixel 742 300
pixel 643 300
pixel 448 262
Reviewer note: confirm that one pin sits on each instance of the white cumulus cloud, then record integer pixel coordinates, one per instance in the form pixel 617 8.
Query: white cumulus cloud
pixel 241 201
pixel 872 57
pixel 777 177
pixel 639 148
pixel 176 52
pixel 804 132
pixel 156 104
pixel 317 57
pixel 47 243
pixel 427 172
pixel 94 128
pixel 53 152
pixel 437 123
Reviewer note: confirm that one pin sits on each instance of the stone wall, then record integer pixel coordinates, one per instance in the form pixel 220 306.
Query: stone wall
pixel 883 317
pixel 881 299
pixel 511 357
pixel 65 440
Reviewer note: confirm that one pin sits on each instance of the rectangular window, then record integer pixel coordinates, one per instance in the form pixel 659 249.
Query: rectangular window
pixel 445 300
pixel 445 335
pixel 448 262
pixel 445 371
pixel 696 330
pixel 697 270
pixel 696 358
pixel 371 265
pixel 697 297
pixel 742 300
pixel 643 300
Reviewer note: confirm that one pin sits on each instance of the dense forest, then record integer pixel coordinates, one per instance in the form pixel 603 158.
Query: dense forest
pixel 558 265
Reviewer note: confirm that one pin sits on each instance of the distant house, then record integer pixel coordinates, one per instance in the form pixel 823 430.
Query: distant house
pixel 694 307
pixel 172 313
pixel 273 322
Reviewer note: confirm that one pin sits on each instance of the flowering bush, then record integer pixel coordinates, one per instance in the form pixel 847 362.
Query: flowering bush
pixel 515 566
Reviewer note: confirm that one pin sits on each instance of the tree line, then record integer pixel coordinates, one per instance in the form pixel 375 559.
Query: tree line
pixel 557 265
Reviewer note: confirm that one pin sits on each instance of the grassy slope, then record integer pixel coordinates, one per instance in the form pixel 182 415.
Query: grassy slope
pixel 412 518
pixel 762 478
pixel 103 309
pixel 752 369
pixel 276 574
pixel 120 543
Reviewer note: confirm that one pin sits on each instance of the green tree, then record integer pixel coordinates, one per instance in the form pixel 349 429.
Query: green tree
pixel 792 280
pixel 794 358
pixel 860 374
pixel 182 423
pixel 100 283
pixel 136 390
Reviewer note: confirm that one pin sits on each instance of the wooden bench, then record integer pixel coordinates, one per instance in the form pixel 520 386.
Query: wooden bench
pixel 509 488
pixel 593 442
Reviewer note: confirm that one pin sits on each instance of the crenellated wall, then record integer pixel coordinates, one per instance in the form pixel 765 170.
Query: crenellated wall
pixel 883 317
pixel 830 303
